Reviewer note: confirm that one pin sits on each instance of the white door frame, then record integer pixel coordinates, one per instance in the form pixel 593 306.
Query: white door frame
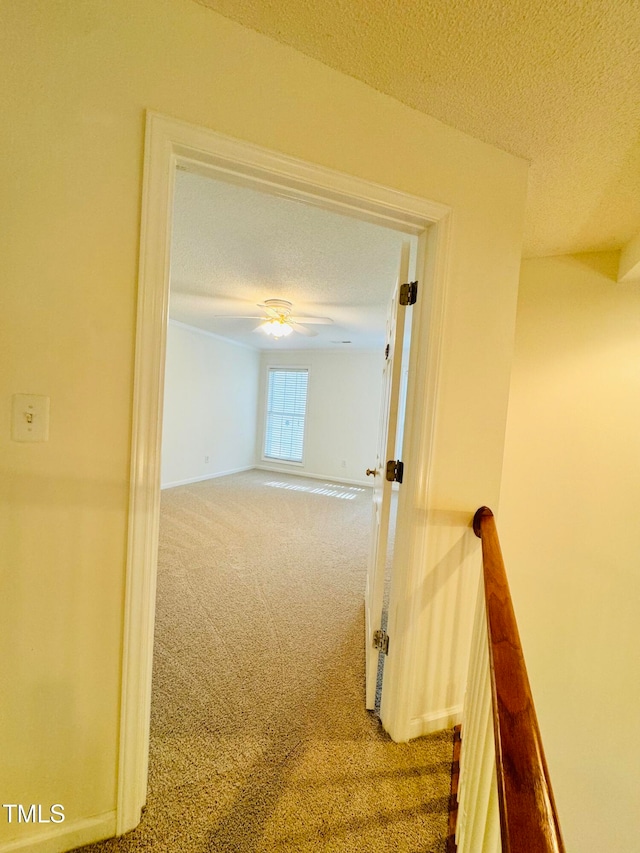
pixel 170 143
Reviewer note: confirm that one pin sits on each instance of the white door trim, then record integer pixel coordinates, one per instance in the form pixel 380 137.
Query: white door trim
pixel 170 143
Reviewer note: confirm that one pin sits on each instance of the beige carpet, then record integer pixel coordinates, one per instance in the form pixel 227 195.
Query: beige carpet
pixel 259 737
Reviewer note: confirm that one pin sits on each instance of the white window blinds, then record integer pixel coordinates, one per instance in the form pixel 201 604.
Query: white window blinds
pixel 286 410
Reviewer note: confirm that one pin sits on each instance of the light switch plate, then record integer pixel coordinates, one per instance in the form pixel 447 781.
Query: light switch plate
pixel 30 418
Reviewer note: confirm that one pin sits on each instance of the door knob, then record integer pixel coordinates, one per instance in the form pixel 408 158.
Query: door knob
pixel 371 472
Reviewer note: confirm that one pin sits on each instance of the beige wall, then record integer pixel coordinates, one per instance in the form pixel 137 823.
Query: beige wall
pixel 568 523
pixel 76 78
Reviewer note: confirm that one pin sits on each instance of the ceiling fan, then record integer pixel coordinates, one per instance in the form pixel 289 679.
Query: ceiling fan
pixel 279 321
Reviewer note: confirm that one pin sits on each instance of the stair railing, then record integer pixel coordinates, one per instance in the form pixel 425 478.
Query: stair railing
pixel 505 799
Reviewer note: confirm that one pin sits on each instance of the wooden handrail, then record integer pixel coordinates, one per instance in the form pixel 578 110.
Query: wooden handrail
pixel 528 817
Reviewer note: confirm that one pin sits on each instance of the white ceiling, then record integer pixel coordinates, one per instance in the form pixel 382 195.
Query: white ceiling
pixel 554 81
pixel 234 247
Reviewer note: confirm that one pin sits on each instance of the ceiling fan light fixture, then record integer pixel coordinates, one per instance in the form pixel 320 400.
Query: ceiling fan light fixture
pixel 277 328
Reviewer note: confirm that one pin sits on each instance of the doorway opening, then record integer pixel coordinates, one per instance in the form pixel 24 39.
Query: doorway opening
pixel 323 401
pixel 172 144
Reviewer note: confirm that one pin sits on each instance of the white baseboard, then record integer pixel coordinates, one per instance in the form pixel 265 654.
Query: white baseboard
pixel 204 477
pixel 326 477
pixel 65 836
pixel 426 724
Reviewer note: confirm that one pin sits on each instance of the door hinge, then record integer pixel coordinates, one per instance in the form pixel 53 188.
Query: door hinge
pixel 381 641
pixel 395 470
pixel 386 351
pixel 409 293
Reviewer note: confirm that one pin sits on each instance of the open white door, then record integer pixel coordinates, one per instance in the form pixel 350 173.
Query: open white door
pixel 374 593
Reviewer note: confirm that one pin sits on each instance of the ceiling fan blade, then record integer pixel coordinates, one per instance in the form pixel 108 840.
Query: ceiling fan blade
pixel 312 320
pixel 270 312
pixel 236 317
pixel 303 330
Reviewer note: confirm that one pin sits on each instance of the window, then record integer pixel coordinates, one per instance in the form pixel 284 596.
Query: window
pixel 286 409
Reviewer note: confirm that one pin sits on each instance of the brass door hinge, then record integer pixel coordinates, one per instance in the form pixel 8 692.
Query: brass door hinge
pixel 409 293
pixel 395 470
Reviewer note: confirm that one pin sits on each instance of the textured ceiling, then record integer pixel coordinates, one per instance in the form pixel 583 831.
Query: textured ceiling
pixel 554 81
pixel 234 247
